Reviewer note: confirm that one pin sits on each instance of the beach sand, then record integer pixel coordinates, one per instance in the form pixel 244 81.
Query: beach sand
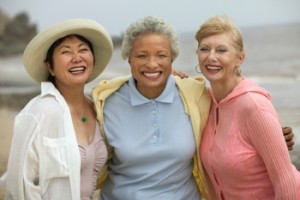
pixel 6 120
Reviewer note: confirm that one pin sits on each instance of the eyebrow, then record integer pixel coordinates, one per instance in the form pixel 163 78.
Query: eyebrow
pixel 67 46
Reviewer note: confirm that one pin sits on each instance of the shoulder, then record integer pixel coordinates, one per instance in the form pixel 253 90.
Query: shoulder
pixel 197 83
pixel 251 105
pixel 251 96
pixel 254 100
pixel 107 87
pixel 112 82
pixel 190 82
pixel 192 87
pixel 42 107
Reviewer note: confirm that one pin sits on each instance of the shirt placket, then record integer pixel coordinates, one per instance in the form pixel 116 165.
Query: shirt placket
pixel 216 124
pixel 154 121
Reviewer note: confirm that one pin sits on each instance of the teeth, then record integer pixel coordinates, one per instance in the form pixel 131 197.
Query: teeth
pixel 213 67
pixel 76 69
pixel 152 75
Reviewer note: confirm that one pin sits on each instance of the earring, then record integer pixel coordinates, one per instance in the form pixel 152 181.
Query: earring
pixel 197 69
pixel 237 71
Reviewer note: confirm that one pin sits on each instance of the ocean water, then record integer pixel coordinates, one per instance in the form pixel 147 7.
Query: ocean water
pixel 272 60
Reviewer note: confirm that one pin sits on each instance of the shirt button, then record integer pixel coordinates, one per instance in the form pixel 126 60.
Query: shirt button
pixel 155 125
pixel 153 112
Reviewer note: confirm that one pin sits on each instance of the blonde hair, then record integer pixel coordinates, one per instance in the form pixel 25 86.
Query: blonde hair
pixel 221 24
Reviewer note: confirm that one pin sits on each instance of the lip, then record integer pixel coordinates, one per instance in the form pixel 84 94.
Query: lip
pixel 77 69
pixel 214 68
pixel 152 75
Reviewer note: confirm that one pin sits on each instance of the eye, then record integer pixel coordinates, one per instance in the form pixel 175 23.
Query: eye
pixel 65 52
pixel 84 49
pixel 141 56
pixel 203 49
pixel 162 56
pixel 221 50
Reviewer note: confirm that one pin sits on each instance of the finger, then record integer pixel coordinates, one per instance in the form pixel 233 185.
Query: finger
pixel 290 145
pixel 180 74
pixel 290 148
pixel 287 130
pixel 289 137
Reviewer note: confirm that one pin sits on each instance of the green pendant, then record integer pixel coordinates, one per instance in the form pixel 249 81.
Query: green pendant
pixel 84 119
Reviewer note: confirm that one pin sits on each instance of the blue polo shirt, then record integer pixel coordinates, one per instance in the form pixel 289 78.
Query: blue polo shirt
pixel 153 146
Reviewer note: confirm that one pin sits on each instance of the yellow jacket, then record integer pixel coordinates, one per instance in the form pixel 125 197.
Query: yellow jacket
pixel 196 100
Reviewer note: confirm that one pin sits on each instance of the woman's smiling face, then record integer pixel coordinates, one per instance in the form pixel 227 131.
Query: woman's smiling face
pixel 218 58
pixel 151 63
pixel 73 62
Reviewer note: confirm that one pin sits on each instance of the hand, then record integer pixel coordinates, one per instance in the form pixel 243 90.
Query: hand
pixel 179 73
pixel 288 136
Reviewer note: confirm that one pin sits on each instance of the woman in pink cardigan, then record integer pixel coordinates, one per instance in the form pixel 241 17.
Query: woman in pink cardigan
pixel 242 148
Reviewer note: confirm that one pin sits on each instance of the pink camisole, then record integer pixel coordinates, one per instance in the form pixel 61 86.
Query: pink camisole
pixel 93 158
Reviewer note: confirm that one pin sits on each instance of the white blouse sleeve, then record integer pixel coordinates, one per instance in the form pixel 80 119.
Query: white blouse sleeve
pixel 23 165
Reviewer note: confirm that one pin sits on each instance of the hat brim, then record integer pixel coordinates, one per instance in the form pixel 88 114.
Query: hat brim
pixel 35 52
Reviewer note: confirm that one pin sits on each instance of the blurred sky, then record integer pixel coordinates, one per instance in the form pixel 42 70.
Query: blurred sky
pixel 184 15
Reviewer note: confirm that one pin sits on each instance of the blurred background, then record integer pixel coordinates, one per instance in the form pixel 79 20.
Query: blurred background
pixel 271 30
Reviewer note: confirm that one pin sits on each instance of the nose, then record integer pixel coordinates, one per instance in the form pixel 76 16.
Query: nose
pixel 76 58
pixel 212 55
pixel 152 62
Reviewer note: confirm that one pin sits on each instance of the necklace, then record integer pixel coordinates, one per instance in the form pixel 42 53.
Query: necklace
pixel 84 119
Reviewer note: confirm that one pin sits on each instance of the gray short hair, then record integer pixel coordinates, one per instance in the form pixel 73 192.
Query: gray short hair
pixel 148 25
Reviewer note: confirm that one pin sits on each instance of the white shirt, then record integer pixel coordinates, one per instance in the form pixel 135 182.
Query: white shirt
pixel 44 160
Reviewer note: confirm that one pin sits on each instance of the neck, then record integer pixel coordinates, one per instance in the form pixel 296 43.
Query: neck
pixel 151 93
pixel 222 89
pixel 74 95
pixel 77 102
pixel 79 106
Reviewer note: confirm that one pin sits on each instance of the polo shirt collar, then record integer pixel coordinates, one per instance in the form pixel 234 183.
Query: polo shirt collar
pixel 167 96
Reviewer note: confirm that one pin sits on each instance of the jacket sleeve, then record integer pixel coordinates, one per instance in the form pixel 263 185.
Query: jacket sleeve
pixel 104 171
pixel 265 133
pixel 196 102
pixel 99 94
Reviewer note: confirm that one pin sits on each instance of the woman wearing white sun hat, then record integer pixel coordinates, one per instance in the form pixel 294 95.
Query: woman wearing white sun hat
pixel 57 149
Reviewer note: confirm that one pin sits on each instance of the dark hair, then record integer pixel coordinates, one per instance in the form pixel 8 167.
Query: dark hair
pixel 49 55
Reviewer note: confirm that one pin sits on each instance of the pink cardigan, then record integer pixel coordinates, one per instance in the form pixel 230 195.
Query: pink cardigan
pixel 244 153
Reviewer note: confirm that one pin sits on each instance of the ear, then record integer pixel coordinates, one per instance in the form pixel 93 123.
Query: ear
pixel 241 58
pixel 48 67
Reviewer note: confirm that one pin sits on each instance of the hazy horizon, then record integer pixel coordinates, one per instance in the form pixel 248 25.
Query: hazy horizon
pixel 185 16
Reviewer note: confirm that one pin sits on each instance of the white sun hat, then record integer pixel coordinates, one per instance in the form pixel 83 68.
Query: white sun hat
pixel 35 52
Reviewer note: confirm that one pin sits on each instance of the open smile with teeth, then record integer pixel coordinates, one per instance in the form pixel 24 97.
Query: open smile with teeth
pixel 152 75
pixel 77 70
pixel 213 68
